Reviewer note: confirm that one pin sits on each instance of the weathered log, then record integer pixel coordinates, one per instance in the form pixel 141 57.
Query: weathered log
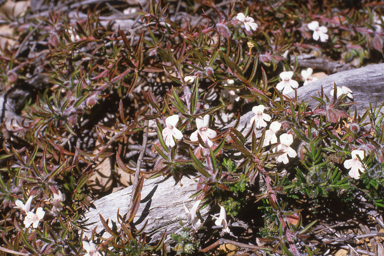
pixel 311 61
pixel 161 207
pixel 367 84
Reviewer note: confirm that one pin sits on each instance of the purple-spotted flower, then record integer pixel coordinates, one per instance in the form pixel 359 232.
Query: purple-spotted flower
pixel 34 218
pixel 171 131
pixel 318 32
pixel 270 135
pixel 284 147
pixel 206 134
pixel 354 164
pixel 249 23
pixel 260 117
pixel 307 76
pixel 287 84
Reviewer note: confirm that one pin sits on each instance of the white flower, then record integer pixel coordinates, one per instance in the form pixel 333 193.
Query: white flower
pixel 231 93
pixel 26 208
pixel 189 79
pixel 205 133
pixel 354 164
pixel 286 84
pixel 318 32
pixel 171 131
pixel 34 218
pixel 249 22
pixel 260 117
pixel 341 91
pixel 222 220
pixel 285 142
pixel 91 249
pixel 270 135
pixel 307 76
pixel 192 215
pixel 57 198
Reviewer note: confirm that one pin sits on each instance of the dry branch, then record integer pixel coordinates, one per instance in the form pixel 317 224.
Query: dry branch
pixel 161 205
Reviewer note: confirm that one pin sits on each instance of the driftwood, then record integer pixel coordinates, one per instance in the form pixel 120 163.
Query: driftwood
pixel 161 207
pixel 311 61
pixel 367 84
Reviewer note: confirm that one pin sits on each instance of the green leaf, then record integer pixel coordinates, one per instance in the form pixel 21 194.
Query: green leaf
pixel 308 228
pixel 213 160
pixel 199 167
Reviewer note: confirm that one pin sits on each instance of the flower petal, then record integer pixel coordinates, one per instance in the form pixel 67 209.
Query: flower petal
pixel 258 109
pixel 172 120
pixel 286 75
pixel 291 152
pixel 247 27
pixel 316 36
pixel 240 16
pixel 294 84
pixel 40 213
pixel 286 139
pixel 267 117
pixel 280 86
pixel 356 153
pixel 202 122
pixel 348 164
pixel 323 29
pixel 275 126
pixel 354 174
pixel 177 134
pixel 210 133
pixel 193 136
pixel 323 37
pixel 313 25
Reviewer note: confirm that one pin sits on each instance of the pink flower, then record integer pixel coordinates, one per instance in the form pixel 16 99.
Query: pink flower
pixel 318 32
pixel 286 84
pixel 260 117
pixel 270 135
pixel 222 220
pixel 34 218
pixel 91 249
pixel 307 76
pixel 285 142
pixel 205 133
pixel 171 131
pixel 354 164
pixel 249 22
pixel 192 215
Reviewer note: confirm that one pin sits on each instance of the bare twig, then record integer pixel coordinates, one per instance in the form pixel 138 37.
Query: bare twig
pixel 26 39
pixel 139 161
